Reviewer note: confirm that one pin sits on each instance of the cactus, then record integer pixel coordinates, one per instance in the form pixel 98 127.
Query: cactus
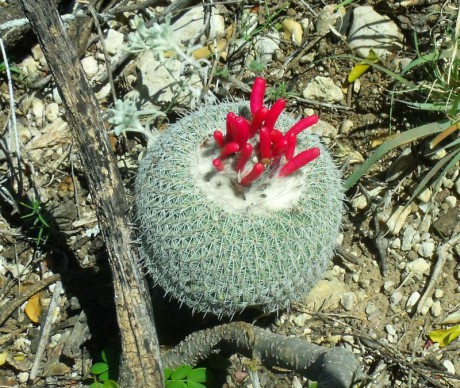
pixel 232 213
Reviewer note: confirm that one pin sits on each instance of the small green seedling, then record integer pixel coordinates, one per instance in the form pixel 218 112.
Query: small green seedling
pixel 105 371
pixel 185 376
pixel 37 220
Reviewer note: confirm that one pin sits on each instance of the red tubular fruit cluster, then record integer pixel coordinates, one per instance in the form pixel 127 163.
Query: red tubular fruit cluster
pixel 270 146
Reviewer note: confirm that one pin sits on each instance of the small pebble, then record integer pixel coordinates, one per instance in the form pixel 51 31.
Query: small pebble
pixel 426 249
pixel 436 309
pixel 52 112
pixel 355 277
pixel 390 329
pixel 449 366
pixel 425 195
pixel 413 299
pixel 457 186
pixel 419 266
pixel 364 284
pixel 438 293
pixel 447 183
pixel 451 201
pixel 396 243
pixel 23 377
pixel 348 300
pixel 426 306
pixel 300 320
pixel 408 237
pixel 388 286
pixel 371 308
pixel 90 66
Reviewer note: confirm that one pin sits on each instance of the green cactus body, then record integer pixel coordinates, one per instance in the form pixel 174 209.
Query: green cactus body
pixel 218 246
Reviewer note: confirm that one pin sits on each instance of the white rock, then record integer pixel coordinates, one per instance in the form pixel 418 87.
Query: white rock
pixel 23 377
pixel 52 112
pixel 426 306
pixel 348 300
pixel 296 383
pixel 56 96
pixel 191 24
pixel 388 286
pixel 37 52
pixel 300 320
pixel 29 66
pixel 38 111
pixel 457 186
pixel 425 195
pixel 90 66
pixel 436 308
pixel 426 249
pixel 390 329
pixel 396 243
pixel 323 89
pixel 420 266
pixel 413 299
pixel 103 92
pixel 346 126
pixel 265 47
pixel 451 201
pixel 325 292
pixel 408 238
pixel 161 83
pixel 449 366
pixel 113 41
pixel 371 308
pixel 372 30
pixel 438 293
pixel 447 183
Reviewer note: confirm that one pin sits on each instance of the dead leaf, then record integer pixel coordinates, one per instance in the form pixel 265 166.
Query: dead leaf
pixel 33 307
pixel 445 336
pixel 358 70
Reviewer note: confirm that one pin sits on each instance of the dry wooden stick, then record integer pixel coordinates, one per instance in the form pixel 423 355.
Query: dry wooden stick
pixel 140 363
pixel 442 252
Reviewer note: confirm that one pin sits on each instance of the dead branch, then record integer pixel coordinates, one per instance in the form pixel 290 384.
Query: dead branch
pixel 141 365
pixel 334 367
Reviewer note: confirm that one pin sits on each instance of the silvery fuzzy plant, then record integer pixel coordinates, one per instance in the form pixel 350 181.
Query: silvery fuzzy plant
pixel 161 39
pixel 238 205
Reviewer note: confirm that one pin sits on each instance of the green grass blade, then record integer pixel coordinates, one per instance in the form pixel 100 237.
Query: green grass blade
pixel 396 141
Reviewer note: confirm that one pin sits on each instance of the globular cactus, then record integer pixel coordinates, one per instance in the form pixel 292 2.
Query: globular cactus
pixel 232 213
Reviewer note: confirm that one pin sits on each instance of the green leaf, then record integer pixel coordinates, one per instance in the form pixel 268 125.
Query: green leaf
pixel 198 375
pixel 445 336
pixel 181 372
pixel 396 141
pixel 194 384
pixel 104 376
pixel 98 368
pixel 111 384
pixel 167 373
pixel 96 385
pixel 175 384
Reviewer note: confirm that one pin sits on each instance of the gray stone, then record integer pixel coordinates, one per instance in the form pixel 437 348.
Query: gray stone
pixel 372 30
pixel 348 300
pixel 90 66
pixel 436 308
pixel 113 41
pixel 412 301
pixel 323 89
pixel 408 236
pixel 426 249
pixel 420 266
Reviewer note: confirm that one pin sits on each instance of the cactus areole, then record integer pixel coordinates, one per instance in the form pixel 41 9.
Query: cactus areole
pixel 238 205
